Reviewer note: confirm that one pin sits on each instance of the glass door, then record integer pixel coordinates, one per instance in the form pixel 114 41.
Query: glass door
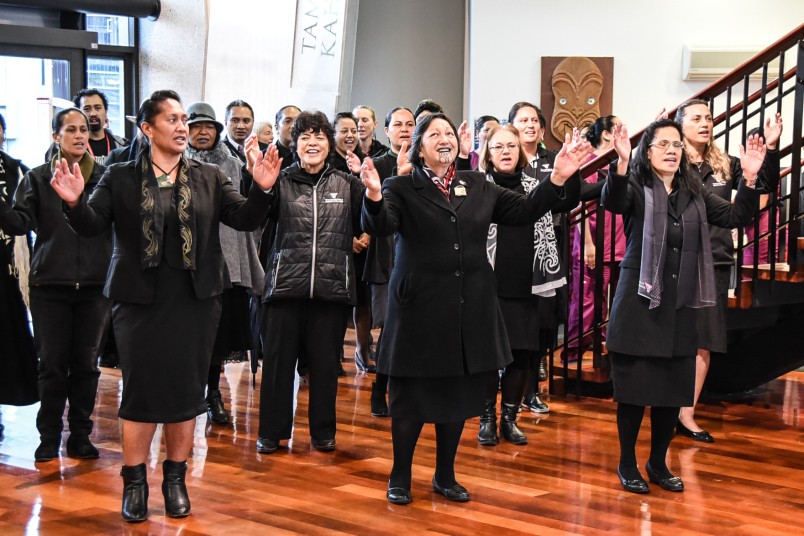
pixel 32 84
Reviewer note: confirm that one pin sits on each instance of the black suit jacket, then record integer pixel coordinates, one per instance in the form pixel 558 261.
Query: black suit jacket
pixel 215 201
pixel 443 318
pixel 666 330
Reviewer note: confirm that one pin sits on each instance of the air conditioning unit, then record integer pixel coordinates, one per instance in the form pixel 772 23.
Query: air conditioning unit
pixel 709 63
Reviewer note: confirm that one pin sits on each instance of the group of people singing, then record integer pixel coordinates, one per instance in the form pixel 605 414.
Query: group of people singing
pixel 460 267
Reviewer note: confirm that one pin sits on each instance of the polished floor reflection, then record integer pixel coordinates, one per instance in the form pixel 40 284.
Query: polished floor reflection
pixel 751 481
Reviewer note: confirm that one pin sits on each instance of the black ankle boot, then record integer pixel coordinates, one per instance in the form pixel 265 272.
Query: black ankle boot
pixel 216 411
pixel 379 407
pixel 177 503
pixel 135 493
pixel 487 434
pixel 508 428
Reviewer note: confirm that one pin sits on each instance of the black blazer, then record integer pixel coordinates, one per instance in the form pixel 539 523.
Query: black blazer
pixel 443 318
pixel 666 330
pixel 215 201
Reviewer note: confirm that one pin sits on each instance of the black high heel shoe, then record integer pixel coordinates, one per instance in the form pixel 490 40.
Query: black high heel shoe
pixel 702 436
pixel 637 485
pixel 671 483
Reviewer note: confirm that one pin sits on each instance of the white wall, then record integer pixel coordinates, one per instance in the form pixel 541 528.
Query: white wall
pixel 222 50
pixel 172 50
pixel 645 38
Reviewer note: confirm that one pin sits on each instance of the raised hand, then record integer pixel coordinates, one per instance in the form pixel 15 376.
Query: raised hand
pixel 622 144
pixel 773 132
pixel 403 165
pixel 371 179
pixel 465 139
pixel 661 115
pixel 751 156
pixel 572 156
pixel 69 185
pixel 353 161
pixel 252 149
pixel 266 167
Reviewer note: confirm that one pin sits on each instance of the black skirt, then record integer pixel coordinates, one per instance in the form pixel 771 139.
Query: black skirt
pixel 653 381
pixel 165 350
pixel 233 339
pixel 712 320
pixel 438 400
pixel 522 317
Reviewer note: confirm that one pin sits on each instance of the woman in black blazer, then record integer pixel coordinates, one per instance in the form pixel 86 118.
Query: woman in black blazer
pixel 165 280
pixel 444 337
pixel 666 274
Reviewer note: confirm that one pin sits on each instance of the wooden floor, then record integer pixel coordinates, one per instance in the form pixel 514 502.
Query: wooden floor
pixel 751 481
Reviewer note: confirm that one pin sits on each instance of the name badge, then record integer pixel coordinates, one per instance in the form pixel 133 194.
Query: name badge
pixel 460 191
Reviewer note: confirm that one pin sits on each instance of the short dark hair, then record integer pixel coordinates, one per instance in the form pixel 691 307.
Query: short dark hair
pixel 234 103
pixel 427 105
pixel 595 131
pixel 281 112
pixel 524 104
pixel 418 134
pixel 390 114
pixel 640 163
pixel 3 122
pixel 58 119
pixel 151 106
pixel 480 121
pixel 342 115
pixel 87 92
pixel 315 121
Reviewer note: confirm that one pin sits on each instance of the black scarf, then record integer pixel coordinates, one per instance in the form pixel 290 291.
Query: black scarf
pixel 654 234
pixel 153 214
pixel 546 260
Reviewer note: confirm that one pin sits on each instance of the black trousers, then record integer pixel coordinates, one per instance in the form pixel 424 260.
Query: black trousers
pixel 68 327
pixel 292 328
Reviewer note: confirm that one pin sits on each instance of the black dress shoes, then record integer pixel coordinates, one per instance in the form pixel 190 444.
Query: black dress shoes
pixel 81 447
pixel 702 436
pixel 266 446
pixel 636 485
pixel 671 483
pixel 324 445
pixel 216 411
pixel 398 496
pixel 455 493
pixel 47 450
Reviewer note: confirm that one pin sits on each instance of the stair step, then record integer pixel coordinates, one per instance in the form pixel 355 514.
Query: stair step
pixel 746 297
pixel 801 242
pixel 783 272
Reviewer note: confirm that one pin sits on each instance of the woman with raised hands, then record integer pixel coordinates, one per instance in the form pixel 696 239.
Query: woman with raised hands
pixel 165 282
pixel 665 276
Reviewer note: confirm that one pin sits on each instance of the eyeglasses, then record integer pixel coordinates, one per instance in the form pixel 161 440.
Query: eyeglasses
pixel 499 147
pixel 664 144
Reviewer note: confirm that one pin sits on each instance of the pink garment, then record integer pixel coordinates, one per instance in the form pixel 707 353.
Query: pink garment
pixel 764 244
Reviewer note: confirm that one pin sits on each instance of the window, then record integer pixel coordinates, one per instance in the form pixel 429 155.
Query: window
pixel 108 75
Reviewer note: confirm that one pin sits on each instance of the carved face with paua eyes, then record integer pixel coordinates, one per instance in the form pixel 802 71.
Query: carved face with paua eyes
pixel 577 85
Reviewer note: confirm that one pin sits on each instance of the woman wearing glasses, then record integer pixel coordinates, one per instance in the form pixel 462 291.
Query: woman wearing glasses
pixel 719 173
pixel 666 274
pixel 525 261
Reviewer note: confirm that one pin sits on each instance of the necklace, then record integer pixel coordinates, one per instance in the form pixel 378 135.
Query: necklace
pixel 164 180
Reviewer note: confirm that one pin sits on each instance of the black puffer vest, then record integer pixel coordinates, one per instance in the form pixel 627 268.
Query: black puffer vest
pixel 311 255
